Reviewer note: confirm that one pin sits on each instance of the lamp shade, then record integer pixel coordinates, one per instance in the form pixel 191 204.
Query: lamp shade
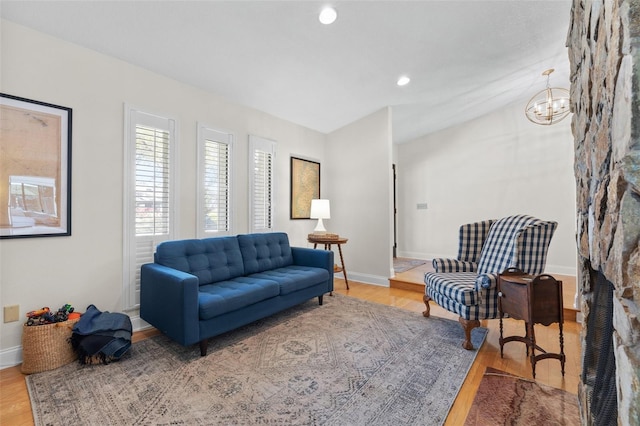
pixel 320 209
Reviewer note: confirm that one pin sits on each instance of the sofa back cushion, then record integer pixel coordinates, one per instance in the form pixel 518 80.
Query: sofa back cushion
pixel 516 241
pixel 262 252
pixel 210 259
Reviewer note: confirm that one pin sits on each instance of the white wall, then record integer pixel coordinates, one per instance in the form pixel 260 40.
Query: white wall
pixel 496 165
pixel 491 167
pixel 360 179
pixel 86 267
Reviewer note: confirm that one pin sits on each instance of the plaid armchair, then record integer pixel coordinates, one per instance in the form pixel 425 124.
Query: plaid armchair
pixel 467 285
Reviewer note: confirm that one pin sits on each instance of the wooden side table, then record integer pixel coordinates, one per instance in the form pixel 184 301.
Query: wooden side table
pixel 328 242
pixel 535 300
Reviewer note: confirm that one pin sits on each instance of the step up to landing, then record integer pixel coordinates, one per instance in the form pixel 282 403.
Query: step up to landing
pixel 570 313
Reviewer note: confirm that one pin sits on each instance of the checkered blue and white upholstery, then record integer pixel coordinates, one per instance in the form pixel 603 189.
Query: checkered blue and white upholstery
pixel 516 241
pixel 467 285
pixel 471 239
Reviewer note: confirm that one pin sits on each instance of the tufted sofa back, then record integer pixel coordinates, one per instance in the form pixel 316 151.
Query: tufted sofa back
pixel 223 258
pixel 210 259
pixel 262 252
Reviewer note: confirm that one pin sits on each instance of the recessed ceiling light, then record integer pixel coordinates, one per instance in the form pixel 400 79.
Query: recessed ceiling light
pixel 328 15
pixel 403 81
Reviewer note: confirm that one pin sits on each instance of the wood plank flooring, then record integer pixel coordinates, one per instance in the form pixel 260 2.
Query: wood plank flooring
pixel 15 408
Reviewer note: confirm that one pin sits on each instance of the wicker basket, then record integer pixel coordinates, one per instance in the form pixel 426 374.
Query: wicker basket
pixel 47 347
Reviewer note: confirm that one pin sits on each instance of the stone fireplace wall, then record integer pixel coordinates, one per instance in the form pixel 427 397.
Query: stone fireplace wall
pixel 604 51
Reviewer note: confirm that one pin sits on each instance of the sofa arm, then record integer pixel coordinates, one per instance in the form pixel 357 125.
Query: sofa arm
pixel 486 281
pixel 317 258
pixel 169 302
pixel 453 265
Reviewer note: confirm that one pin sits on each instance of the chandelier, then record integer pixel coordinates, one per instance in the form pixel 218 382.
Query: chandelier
pixel 548 106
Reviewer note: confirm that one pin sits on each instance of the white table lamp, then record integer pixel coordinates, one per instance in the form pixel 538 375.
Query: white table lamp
pixel 320 210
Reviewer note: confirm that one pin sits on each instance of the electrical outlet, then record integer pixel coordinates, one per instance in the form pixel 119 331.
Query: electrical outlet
pixel 422 206
pixel 12 313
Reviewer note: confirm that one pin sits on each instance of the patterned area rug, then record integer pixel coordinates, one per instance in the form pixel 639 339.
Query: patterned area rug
pixel 402 264
pixel 505 399
pixel 348 362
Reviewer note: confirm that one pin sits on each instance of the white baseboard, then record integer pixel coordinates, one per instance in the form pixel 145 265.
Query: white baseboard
pixel 561 270
pixel 10 357
pixel 13 356
pixel 423 256
pixel 139 324
pixel 550 269
pixel 366 278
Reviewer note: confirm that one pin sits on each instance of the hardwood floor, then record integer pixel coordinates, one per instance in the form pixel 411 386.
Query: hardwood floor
pixel 15 408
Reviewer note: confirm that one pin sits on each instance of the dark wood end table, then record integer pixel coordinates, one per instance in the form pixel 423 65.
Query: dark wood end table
pixel 328 242
pixel 535 300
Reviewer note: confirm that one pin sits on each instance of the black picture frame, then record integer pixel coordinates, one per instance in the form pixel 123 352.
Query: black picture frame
pixel 305 186
pixel 35 168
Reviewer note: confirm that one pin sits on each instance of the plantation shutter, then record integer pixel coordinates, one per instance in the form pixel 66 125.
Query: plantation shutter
pixel 148 195
pixel 214 182
pixel 152 182
pixel 262 152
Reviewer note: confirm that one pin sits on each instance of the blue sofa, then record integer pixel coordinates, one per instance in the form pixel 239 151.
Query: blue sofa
pixel 200 288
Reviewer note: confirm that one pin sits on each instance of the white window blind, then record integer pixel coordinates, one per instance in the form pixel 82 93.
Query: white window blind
pixel 214 183
pixel 149 196
pixel 152 181
pixel 262 157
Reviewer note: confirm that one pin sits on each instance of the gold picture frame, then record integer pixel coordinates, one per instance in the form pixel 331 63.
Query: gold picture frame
pixel 305 186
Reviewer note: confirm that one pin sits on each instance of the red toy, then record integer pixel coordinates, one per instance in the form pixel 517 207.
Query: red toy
pixel 38 313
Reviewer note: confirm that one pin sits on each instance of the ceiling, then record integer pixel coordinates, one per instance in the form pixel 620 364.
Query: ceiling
pixel 464 58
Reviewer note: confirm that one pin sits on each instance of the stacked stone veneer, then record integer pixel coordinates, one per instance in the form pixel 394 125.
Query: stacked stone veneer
pixel 604 51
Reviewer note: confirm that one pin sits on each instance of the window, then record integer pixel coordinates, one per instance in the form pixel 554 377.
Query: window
pixel 261 158
pixel 214 158
pixel 32 201
pixel 148 194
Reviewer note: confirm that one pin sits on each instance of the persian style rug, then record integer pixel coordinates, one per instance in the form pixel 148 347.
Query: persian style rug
pixel 348 362
pixel 505 399
pixel 402 264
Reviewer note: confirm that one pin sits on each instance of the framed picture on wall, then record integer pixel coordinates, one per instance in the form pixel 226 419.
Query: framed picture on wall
pixel 35 168
pixel 305 186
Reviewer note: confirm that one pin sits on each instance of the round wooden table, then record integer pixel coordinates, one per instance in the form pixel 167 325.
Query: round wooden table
pixel 328 242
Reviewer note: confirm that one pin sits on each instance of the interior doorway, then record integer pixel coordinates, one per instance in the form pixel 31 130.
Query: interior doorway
pixel 395 215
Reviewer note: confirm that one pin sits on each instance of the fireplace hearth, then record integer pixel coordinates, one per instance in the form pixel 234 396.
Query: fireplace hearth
pixel 599 366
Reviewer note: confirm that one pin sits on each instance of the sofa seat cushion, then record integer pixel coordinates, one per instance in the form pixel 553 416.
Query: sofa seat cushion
pixel 293 278
pixel 227 296
pixel 458 286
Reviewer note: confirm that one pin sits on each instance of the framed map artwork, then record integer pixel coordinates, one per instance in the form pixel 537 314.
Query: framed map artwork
pixel 35 168
pixel 305 186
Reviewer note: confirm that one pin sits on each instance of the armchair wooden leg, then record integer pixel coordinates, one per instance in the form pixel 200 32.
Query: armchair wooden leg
pixel 203 347
pixel 427 312
pixel 468 325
